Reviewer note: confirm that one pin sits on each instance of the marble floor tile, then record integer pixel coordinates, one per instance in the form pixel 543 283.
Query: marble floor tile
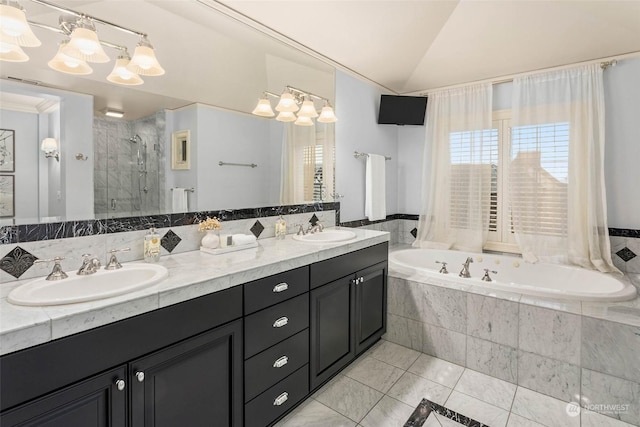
pixel 600 390
pixel 488 389
pixel 477 409
pixel 543 409
pixel 444 344
pixel 350 398
pixel 518 421
pixel 593 419
pixel 549 376
pixel 411 389
pixel 314 414
pixel 374 373
pixel 493 359
pixel 437 370
pixel 394 354
pixel 388 412
pixel 437 420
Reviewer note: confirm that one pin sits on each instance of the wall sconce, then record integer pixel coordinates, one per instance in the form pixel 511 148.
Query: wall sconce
pixel 50 148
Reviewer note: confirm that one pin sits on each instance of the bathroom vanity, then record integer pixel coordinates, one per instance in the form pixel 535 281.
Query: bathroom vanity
pixel 243 355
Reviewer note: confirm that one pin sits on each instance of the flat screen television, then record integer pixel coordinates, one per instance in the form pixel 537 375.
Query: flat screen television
pixel 402 110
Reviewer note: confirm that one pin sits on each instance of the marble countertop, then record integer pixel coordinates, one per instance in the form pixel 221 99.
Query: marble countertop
pixel 191 274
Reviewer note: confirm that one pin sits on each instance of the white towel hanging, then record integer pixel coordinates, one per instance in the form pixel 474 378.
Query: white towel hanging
pixel 375 195
pixel 179 200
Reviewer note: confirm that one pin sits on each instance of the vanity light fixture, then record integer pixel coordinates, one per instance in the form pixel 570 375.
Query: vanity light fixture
pixel 113 113
pixel 295 100
pixel 50 148
pixel 82 44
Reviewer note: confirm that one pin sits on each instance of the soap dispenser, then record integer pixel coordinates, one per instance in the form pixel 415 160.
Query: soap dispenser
pixel 281 228
pixel 152 246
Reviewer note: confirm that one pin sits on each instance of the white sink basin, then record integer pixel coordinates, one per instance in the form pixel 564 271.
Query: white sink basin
pixel 102 284
pixel 326 236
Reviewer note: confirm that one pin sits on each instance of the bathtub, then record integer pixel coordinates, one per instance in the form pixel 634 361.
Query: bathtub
pixel 515 275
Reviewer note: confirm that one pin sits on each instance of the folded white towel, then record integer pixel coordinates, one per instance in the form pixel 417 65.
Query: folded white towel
pixel 243 239
pixel 179 200
pixel 375 193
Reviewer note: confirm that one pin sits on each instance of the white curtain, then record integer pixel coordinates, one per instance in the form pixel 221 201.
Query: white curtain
pixel 459 143
pixel 557 190
pixel 302 181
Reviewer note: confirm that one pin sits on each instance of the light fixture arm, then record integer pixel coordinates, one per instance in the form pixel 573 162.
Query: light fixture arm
pixel 85 16
pixel 61 31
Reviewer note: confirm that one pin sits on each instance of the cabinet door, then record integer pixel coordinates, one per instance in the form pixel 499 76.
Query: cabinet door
pixel 96 402
pixel 197 382
pixel 332 343
pixel 371 305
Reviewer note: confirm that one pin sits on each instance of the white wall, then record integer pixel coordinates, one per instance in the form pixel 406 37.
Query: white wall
pixel 357 106
pixel 411 142
pixel 27 147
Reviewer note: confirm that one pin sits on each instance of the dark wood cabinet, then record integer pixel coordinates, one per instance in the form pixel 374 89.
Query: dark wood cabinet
pixel 100 401
pixel 348 315
pixel 191 383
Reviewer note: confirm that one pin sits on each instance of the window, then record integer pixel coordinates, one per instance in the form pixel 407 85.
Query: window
pixel 530 162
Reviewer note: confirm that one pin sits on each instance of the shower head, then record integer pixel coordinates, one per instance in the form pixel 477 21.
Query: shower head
pixel 135 139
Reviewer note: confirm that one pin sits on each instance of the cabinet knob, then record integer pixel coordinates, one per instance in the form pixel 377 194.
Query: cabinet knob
pixel 140 376
pixel 281 399
pixel 281 322
pixel 120 384
pixel 281 362
pixel 280 287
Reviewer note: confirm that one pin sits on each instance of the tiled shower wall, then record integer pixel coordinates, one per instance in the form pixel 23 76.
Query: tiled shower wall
pixel 117 175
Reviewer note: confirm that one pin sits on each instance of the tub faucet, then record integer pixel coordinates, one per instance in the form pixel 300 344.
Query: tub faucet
pixel 89 265
pixel 465 268
pixel 443 269
pixel 486 276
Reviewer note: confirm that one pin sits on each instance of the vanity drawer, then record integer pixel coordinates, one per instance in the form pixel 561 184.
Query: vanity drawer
pixel 278 399
pixel 274 324
pixel 271 290
pixel 272 365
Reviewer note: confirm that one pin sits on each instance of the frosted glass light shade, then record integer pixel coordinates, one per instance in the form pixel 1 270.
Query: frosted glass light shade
pixel 69 65
pixel 287 103
pixel 263 108
pixel 308 109
pixel 303 121
pixel 84 45
pixel 327 115
pixel 49 145
pixel 12 53
pixel 286 116
pixel 144 62
pixel 122 75
pixel 14 27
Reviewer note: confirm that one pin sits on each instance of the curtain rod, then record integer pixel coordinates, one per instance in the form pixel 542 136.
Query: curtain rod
pixel 510 77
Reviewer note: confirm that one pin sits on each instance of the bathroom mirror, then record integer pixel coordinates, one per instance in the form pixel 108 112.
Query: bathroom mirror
pixel 216 69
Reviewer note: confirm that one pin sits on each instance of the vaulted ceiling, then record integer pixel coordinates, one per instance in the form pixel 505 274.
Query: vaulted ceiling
pixel 408 46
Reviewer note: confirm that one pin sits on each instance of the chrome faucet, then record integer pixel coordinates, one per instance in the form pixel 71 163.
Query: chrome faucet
pixel 89 265
pixel 56 272
pixel 443 270
pixel 465 268
pixel 300 229
pixel 486 276
pixel 315 228
pixel 113 263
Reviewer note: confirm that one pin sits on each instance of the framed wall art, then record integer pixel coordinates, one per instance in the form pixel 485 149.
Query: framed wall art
pixel 7 196
pixel 7 150
pixel 180 150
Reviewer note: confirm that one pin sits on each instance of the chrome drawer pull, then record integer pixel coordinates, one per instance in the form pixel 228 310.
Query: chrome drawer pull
pixel 281 362
pixel 281 322
pixel 280 287
pixel 281 399
pixel 120 384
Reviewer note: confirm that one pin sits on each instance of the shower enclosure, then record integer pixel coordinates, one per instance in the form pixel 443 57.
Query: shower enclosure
pixel 129 166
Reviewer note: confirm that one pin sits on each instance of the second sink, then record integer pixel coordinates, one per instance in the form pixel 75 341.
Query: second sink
pixel 326 236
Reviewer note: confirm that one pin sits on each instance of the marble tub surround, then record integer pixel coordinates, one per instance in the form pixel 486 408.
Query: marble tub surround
pixel 185 229
pixel 540 344
pixel 191 274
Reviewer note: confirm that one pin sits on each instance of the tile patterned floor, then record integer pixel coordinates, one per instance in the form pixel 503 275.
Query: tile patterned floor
pixel 386 384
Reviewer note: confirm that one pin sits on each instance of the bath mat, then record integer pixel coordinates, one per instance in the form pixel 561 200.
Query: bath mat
pixel 426 407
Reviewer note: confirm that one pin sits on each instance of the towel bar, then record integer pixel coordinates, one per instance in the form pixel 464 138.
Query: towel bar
pixel 190 190
pixel 357 154
pixel 251 165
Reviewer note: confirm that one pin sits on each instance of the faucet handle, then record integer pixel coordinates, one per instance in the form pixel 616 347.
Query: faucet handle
pixel 443 270
pixel 56 272
pixel 301 230
pixel 486 276
pixel 113 263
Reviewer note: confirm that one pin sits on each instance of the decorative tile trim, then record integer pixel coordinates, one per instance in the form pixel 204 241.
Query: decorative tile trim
pixel 11 234
pixel 426 407
pixel 17 262
pixel 170 240
pixel 363 222
pixel 626 254
pixel 624 232
pixel 258 228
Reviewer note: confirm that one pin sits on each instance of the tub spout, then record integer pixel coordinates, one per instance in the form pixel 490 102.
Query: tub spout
pixel 465 268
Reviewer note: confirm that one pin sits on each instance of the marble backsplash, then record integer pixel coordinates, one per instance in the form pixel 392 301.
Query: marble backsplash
pixel 179 233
